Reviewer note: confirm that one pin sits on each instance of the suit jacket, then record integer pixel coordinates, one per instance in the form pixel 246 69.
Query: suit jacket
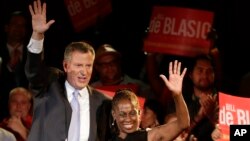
pixel 52 110
pixel 10 80
pixel 17 77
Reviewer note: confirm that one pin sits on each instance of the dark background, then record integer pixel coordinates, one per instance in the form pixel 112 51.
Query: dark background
pixel 125 29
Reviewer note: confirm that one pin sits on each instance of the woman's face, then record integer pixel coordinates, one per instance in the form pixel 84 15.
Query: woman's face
pixel 126 116
pixel 19 105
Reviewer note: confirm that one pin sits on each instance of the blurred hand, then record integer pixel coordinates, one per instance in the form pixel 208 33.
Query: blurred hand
pixel 208 104
pixel 216 134
pixel 184 136
pixel 15 123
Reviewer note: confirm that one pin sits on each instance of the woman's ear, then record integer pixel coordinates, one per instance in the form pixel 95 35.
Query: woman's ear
pixel 113 114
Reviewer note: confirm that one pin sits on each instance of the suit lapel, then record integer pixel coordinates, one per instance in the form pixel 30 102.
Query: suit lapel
pixel 66 102
pixel 93 107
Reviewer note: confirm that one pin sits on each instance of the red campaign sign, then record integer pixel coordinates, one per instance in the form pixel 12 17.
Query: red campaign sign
pixel 179 31
pixel 233 110
pixel 110 91
pixel 84 13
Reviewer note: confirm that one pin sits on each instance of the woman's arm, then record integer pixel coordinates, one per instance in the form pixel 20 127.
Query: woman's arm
pixel 174 83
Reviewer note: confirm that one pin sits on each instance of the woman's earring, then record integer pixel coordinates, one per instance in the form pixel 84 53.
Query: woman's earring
pixel 113 123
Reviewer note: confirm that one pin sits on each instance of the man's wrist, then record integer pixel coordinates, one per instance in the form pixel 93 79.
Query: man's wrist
pixel 37 36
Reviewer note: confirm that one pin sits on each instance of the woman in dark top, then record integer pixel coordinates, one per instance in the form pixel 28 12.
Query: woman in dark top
pixel 126 113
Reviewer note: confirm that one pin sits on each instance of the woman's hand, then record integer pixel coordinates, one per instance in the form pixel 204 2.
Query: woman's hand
pixel 174 83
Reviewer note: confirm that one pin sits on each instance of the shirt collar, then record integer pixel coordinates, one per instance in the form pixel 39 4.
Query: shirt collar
pixel 11 48
pixel 71 89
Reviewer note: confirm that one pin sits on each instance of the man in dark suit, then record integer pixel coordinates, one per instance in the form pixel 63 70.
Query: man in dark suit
pixel 53 90
pixel 13 54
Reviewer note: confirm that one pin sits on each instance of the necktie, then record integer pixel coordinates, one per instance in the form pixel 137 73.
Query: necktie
pixel 74 129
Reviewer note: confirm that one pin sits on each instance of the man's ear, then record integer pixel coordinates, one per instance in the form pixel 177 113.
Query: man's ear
pixel 65 65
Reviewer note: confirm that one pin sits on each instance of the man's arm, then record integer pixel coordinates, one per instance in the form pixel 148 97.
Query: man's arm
pixel 34 64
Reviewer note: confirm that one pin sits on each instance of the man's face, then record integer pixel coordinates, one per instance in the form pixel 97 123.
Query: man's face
pixel 19 105
pixel 203 75
pixel 126 116
pixel 79 69
pixel 108 68
pixel 16 29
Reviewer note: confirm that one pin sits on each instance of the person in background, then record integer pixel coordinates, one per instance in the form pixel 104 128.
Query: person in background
pixel 19 120
pixel 109 72
pixel 13 56
pixel 126 114
pixel 153 114
pixel 201 96
pixel 65 106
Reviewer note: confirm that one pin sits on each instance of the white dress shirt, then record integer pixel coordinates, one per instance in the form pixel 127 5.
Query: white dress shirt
pixel 35 46
pixel 84 110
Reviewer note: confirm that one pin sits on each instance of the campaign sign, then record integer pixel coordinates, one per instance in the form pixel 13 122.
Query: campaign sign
pixel 86 13
pixel 179 31
pixel 234 111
